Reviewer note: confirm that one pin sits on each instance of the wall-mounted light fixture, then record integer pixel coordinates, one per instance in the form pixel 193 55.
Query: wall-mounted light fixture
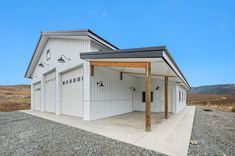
pixel 61 59
pixel 157 88
pixel 132 88
pixel 42 64
pixel 100 83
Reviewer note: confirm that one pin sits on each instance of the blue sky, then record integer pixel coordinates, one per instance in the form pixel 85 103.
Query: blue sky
pixel 199 34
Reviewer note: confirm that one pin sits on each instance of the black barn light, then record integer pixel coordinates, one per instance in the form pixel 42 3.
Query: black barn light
pixel 61 59
pixel 42 64
pixel 100 83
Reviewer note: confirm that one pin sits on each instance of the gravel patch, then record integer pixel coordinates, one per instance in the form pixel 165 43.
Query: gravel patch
pixel 22 134
pixel 214 132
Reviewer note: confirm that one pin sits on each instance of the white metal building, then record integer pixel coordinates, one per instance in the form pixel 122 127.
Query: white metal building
pixel 80 74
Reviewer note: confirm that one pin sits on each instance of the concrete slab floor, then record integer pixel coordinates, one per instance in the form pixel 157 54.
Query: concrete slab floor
pixel 170 136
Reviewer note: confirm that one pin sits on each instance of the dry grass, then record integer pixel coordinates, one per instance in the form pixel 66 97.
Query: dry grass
pixel 220 102
pixel 14 98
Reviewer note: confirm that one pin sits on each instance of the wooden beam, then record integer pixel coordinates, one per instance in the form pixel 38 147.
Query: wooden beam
pixel 148 98
pixel 151 74
pixel 92 69
pixel 120 64
pixel 166 97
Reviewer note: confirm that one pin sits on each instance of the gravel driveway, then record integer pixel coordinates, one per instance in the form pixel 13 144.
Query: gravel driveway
pixel 214 132
pixel 23 134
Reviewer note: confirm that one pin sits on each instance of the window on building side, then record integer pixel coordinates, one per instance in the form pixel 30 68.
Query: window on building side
pixel 144 96
pixel 48 56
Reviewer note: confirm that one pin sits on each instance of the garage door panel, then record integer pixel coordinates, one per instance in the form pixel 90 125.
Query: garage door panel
pixel 72 92
pixel 50 92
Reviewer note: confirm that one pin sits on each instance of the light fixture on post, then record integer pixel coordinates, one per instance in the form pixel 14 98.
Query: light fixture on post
pixel 42 64
pixel 61 60
pixel 100 83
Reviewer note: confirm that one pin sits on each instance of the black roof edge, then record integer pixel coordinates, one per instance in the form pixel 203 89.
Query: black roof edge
pixel 156 48
pixel 125 53
pixel 102 39
pixel 172 59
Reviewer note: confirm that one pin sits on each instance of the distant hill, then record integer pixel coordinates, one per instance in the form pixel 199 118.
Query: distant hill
pixel 228 89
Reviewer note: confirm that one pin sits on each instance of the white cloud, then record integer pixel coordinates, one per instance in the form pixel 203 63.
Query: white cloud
pixel 98 12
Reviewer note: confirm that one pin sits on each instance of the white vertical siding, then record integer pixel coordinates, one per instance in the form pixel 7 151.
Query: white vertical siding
pixel 158 103
pixel 115 97
pixel 68 47
pixel 97 47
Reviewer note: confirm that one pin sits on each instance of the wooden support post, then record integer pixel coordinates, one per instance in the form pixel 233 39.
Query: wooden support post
pixel 166 97
pixel 121 75
pixel 148 97
pixel 92 70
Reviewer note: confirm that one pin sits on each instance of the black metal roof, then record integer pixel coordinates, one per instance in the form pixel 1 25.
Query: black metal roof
pixel 146 52
pixel 149 52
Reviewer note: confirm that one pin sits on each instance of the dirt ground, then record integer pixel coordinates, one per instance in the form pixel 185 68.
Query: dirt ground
pixel 219 102
pixel 15 97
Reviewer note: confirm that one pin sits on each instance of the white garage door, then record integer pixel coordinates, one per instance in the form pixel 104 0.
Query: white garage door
pixel 50 92
pixel 37 96
pixel 72 92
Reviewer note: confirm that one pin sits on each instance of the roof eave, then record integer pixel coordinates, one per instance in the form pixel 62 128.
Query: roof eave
pixel 26 73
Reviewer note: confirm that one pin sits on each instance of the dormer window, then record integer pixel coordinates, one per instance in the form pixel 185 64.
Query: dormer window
pixel 48 54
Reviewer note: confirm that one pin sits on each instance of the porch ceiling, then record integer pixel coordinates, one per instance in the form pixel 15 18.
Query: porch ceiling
pixel 158 67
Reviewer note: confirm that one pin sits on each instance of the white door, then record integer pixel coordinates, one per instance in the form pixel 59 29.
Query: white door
pixel 37 96
pixel 161 100
pixel 158 98
pixel 50 92
pixel 72 92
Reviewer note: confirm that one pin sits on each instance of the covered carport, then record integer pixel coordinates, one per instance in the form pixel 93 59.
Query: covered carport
pixel 144 62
